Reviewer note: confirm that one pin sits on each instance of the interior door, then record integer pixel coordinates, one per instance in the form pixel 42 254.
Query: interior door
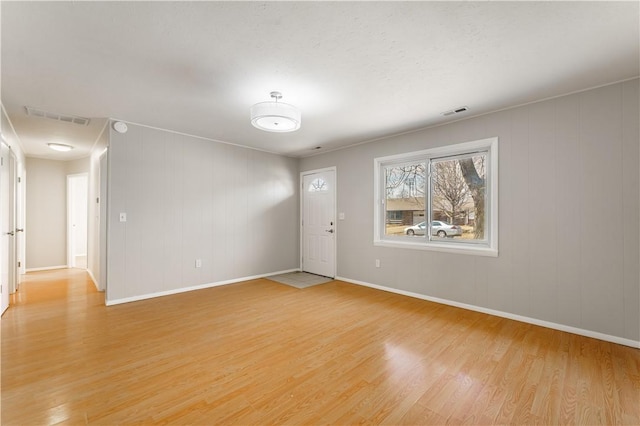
pixel 319 223
pixel 6 231
pixel 77 214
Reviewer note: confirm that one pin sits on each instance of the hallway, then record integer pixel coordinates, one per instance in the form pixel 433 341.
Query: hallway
pixel 54 287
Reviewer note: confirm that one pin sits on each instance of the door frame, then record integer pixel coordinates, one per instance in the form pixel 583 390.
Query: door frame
pixel 20 221
pixel 9 279
pixel 103 201
pixel 14 270
pixel 335 209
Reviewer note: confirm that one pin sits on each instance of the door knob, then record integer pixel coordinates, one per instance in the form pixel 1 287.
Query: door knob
pixel 19 230
pixel 329 230
pixel 10 233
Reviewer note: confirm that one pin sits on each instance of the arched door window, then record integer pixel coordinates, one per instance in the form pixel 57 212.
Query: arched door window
pixel 318 184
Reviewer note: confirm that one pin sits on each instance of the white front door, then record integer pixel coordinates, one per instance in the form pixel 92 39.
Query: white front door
pixel 319 222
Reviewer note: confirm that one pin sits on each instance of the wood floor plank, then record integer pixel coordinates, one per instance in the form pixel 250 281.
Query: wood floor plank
pixel 259 352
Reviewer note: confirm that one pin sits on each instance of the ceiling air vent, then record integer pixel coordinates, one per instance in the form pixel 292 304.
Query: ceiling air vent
pixel 58 117
pixel 455 111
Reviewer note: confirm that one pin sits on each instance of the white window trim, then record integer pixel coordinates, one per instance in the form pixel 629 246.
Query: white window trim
pixel 490 248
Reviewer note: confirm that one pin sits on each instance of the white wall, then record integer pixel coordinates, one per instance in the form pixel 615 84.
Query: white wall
pixel 46 230
pixel 569 215
pixel 11 137
pixel 73 167
pixel 186 198
pixel 46 210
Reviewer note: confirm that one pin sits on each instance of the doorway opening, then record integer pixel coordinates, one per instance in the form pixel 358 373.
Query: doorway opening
pixel 77 214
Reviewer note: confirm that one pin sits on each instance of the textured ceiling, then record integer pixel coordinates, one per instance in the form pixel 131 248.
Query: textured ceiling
pixel 357 70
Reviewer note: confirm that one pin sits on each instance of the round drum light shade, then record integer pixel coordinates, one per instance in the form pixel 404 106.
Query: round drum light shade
pixel 274 116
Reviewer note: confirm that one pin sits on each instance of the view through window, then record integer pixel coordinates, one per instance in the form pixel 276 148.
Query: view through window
pixel 439 196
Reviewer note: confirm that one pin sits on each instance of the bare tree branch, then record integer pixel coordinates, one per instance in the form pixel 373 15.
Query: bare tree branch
pixel 450 191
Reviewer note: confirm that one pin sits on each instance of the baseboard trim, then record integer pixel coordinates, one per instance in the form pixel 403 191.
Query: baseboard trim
pixel 46 268
pixel 515 317
pixel 193 288
pixel 95 282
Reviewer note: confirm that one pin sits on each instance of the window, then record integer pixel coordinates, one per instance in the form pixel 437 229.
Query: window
pixel 394 216
pixel 318 184
pixel 443 199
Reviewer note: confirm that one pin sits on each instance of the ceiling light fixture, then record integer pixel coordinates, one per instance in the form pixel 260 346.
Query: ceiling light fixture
pixel 60 147
pixel 274 116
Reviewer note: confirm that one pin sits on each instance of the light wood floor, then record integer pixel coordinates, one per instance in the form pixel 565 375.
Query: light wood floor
pixel 260 352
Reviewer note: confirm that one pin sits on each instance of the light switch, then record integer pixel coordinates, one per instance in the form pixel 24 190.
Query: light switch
pixel 123 217
pixel 341 216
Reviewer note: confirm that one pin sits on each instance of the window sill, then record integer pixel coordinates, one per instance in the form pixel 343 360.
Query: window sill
pixel 457 248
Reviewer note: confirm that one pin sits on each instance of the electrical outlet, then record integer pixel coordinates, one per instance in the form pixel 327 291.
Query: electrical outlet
pixel 377 263
pixel 198 263
pixel 123 217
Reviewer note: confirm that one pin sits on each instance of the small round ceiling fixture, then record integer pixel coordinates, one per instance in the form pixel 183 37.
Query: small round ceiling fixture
pixel 120 127
pixel 60 147
pixel 274 116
